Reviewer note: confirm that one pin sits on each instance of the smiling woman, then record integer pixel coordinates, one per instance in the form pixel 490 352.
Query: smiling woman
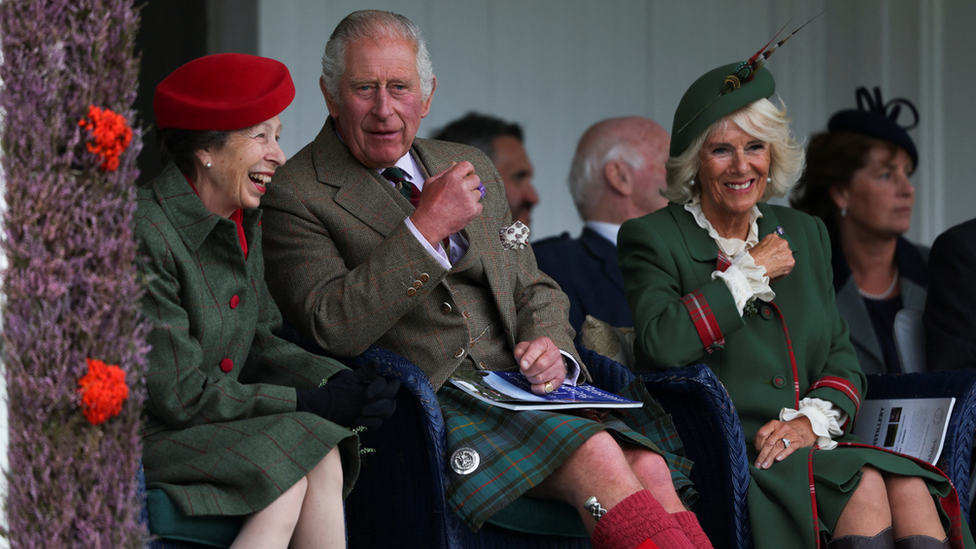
pixel 222 387
pixel 236 174
pixel 723 279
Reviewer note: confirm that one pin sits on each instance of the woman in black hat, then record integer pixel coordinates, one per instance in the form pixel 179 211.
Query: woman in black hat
pixel 722 278
pixel 856 181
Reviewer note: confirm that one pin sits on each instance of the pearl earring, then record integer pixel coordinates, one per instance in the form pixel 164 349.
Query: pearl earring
pixel 769 180
pixel 843 212
pixel 209 165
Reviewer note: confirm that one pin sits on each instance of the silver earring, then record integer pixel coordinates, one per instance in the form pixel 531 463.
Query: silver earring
pixel 843 212
pixel 209 165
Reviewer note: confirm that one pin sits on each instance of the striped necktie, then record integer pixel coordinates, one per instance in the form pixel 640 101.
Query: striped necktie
pixel 407 189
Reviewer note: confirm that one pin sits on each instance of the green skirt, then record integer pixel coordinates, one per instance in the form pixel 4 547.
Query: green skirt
pixel 796 500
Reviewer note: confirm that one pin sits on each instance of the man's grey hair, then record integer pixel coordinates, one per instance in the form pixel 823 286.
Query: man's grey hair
pixel 374 24
pixel 586 171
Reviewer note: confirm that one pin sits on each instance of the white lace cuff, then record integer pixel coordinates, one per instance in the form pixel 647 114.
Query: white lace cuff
pixel 746 281
pixel 825 418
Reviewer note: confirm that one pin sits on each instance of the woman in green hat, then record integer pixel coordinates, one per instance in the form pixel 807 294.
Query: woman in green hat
pixel 720 277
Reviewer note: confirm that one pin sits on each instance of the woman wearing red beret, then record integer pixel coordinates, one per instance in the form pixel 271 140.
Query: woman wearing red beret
pixel 239 421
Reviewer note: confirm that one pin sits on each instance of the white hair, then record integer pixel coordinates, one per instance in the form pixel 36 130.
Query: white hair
pixel 762 120
pixel 374 24
pixel 586 171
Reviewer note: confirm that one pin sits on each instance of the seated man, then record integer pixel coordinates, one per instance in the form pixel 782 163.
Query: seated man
pixel 950 307
pixel 617 174
pixel 412 260
pixel 503 144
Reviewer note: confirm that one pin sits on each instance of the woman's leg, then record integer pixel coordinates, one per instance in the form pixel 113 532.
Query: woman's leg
pixel 865 522
pixel 322 523
pixel 913 511
pixel 272 527
pixel 867 512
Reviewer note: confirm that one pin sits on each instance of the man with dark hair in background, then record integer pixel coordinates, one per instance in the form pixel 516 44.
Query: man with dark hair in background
pixel 503 143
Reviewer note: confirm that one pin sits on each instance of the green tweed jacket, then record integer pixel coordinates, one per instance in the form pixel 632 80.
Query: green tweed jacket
pixel 221 436
pixel 665 257
pixel 348 273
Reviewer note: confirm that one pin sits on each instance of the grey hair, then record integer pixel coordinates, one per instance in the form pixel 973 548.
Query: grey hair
pixel 586 171
pixel 374 24
pixel 762 120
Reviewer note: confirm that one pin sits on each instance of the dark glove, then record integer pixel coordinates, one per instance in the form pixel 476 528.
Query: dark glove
pixel 352 398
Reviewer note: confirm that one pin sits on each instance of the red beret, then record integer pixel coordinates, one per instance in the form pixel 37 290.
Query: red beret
pixel 223 92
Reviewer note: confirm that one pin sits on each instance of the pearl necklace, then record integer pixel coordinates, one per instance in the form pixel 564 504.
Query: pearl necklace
pixel 881 296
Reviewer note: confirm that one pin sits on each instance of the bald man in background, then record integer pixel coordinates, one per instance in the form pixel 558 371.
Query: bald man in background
pixel 617 174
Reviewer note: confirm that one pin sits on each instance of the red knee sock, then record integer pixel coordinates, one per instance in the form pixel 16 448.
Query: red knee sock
pixel 688 523
pixel 634 520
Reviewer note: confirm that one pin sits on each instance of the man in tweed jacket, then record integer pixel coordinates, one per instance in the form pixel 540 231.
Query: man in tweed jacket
pixel 353 262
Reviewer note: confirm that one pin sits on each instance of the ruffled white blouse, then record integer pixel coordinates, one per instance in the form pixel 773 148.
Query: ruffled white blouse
pixel 748 282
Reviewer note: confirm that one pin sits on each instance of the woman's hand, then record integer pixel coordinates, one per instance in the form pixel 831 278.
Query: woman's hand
pixel 770 438
pixel 773 253
pixel 352 398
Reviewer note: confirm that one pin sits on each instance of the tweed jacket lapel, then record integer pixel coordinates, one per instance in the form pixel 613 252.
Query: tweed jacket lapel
pixel 360 191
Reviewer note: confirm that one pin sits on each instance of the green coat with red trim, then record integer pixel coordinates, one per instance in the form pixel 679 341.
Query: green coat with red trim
pixel 222 435
pixel 667 261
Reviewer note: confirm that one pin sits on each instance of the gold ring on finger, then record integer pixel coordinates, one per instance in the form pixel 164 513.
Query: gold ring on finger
pixel 548 387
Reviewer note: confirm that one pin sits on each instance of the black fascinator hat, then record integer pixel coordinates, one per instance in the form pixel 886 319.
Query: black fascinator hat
pixel 875 118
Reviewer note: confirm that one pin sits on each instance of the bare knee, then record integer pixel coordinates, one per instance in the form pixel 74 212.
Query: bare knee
pixel 273 525
pixel 867 511
pixel 871 491
pixel 595 466
pixel 902 487
pixel 294 496
pixel 327 474
pixel 652 470
pixel 650 466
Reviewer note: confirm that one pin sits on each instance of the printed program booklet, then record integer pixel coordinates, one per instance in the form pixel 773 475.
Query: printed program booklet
pixel 910 426
pixel 512 391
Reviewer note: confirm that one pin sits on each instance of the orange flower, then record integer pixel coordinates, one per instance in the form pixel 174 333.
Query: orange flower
pixel 103 390
pixel 110 135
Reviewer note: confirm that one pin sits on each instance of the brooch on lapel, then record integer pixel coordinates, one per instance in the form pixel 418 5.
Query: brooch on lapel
pixel 514 237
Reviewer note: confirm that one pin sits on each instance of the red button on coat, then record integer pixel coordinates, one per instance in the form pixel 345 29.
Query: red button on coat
pixel 226 364
pixel 234 301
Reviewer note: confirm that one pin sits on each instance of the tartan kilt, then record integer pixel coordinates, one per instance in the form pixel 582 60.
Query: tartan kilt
pixel 518 449
pixel 240 467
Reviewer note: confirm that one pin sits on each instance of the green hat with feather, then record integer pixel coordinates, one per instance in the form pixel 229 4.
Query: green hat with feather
pixel 715 95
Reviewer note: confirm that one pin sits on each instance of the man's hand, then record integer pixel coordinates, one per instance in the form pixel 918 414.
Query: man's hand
pixel 450 200
pixel 541 363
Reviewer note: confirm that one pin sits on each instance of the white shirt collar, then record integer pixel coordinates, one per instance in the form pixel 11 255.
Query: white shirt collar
pixel 604 229
pixel 411 169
